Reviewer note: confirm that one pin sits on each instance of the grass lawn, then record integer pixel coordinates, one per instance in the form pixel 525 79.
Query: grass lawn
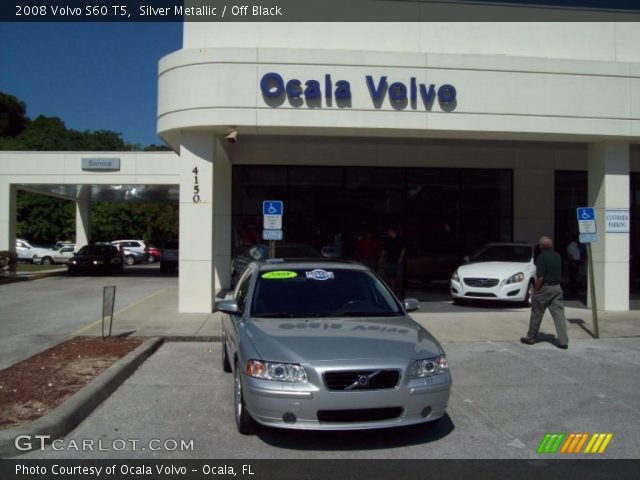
pixel 29 267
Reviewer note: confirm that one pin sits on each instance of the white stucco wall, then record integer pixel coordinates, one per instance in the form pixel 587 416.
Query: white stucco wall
pixel 596 41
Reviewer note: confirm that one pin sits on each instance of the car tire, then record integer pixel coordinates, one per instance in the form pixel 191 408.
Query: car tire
pixel 226 365
pixel 46 261
pixel 129 260
pixel 245 424
pixel 529 294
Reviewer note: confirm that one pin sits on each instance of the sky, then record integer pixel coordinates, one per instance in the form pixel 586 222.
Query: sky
pixel 94 76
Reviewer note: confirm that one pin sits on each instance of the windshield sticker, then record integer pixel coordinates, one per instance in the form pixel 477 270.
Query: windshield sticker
pixel 318 274
pixel 279 274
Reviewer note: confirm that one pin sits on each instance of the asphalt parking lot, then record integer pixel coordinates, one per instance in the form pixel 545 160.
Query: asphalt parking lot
pixel 38 314
pixel 506 397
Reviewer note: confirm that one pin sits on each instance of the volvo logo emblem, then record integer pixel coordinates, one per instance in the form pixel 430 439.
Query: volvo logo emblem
pixel 363 380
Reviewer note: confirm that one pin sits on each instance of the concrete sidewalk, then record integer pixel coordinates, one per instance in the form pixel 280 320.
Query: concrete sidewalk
pixel 158 316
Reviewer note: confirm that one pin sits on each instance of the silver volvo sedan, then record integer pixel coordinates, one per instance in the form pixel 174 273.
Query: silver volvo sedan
pixel 326 345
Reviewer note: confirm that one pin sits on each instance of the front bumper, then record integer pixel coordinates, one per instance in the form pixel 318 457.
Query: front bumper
pixel 416 400
pixel 513 292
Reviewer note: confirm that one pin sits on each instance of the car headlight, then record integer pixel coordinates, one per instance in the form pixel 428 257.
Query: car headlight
pixel 74 261
pixel 517 278
pixel 429 367
pixel 455 277
pixel 280 372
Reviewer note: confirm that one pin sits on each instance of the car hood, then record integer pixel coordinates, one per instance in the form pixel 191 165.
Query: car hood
pixel 334 339
pixel 491 269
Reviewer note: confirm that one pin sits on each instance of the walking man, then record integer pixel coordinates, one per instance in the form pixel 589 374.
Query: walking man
pixel 547 293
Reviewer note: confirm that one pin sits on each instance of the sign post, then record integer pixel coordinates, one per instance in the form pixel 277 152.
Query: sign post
pixel 589 235
pixel 272 211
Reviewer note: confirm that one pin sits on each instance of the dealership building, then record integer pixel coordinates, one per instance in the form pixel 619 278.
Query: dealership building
pixel 457 133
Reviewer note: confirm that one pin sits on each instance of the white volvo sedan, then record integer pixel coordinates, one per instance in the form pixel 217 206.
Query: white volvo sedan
pixel 498 271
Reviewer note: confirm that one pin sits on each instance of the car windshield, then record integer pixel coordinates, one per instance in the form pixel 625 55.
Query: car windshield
pixel 98 250
pixel 333 292
pixel 504 253
pixel 261 252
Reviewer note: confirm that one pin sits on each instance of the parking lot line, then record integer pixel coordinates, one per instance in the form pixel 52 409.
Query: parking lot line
pixel 129 307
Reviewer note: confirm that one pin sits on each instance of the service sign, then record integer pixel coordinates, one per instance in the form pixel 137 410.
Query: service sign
pixel 101 164
pixel 617 220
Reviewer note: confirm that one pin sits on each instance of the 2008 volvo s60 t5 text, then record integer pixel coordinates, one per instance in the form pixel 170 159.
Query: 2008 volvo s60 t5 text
pixel 326 345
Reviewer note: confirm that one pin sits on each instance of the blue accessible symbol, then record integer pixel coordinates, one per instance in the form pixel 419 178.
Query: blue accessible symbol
pixel 272 207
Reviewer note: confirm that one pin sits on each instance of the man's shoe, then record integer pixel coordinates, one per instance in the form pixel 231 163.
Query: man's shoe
pixel 528 340
pixel 564 347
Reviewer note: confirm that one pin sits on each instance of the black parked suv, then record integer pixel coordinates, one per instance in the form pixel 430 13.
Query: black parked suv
pixel 99 258
pixel 169 256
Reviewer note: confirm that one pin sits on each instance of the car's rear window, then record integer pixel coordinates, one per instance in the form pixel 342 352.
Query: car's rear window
pixel 98 250
pixel 319 292
pixel 171 245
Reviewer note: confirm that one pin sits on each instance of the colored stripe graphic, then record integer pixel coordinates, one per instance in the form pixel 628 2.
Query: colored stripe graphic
pixel 572 443
pixel 598 443
pixel 551 442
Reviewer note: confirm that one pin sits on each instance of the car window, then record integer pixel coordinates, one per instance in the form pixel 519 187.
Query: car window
pixel 242 289
pixel 296 252
pixel 321 293
pixel 503 253
pixel 171 245
pixel 98 250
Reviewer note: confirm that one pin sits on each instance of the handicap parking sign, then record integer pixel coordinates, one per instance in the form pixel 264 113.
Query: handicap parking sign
pixel 586 220
pixel 272 207
pixel 586 213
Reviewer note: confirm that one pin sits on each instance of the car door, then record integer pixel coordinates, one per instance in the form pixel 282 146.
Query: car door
pixel 64 254
pixel 232 322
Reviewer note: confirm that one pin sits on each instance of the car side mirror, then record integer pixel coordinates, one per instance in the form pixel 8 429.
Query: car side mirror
pixel 411 304
pixel 228 306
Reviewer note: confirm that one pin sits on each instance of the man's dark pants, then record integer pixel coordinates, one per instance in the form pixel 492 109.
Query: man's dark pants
pixel 548 296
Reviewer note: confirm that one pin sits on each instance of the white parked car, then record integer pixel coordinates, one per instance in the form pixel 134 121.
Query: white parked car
pixel 55 255
pixel 498 271
pixel 26 251
pixel 133 251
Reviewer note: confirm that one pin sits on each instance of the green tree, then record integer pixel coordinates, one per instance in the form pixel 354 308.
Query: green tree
pixel 44 219
pixel 13 117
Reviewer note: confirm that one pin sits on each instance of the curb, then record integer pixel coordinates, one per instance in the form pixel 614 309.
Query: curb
pixel 38 276
pixel 69 414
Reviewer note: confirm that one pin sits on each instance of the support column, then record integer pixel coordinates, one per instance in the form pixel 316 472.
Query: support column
pixel 609 188
pixel 222 217
pixel 197 228
pixel 8 218
pixel 83 216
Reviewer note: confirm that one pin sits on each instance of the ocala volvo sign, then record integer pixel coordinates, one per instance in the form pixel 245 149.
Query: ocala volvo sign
pixel 399 94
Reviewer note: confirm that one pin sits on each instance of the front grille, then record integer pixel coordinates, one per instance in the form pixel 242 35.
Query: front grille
pixel 361 379
pixel 359 415
pixel 480 294
pixel 481 282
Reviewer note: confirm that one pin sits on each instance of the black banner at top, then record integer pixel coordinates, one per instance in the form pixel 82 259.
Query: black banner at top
pixel 317 10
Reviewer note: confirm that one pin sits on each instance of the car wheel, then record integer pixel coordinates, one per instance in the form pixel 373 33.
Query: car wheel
pixel 226 365
pixel 46 260
pixel 527 297
pixel 246 425
pixel 129 260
